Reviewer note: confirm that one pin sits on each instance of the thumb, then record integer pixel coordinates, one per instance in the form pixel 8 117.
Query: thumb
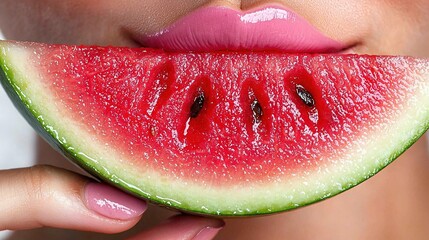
pixel 53 197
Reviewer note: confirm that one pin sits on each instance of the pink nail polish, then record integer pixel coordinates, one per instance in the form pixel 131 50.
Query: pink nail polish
pixel 112 203
pixel 207 233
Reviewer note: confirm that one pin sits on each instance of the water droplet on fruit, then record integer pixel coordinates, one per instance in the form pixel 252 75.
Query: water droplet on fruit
pixel 187 125
pixel 256 110
pixel 305 96
pixel 198 104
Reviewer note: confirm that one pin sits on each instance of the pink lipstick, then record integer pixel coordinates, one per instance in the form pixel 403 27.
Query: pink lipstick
pixel 270 28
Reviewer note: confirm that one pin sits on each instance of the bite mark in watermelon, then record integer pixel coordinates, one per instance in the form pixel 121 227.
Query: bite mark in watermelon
pixel 221 133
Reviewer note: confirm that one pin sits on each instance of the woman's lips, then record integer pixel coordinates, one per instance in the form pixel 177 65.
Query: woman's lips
pixel 222 28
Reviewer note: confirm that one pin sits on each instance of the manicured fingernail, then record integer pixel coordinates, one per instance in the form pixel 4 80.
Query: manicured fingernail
pixel 112 203
pixel 207 233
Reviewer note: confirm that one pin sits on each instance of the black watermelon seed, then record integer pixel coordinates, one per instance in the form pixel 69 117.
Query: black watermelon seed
pixel 198 104
pixel 257 110
pixel 305 96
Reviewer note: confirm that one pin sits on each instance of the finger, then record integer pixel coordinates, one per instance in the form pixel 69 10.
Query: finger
pixel 53 197
pixel 183 227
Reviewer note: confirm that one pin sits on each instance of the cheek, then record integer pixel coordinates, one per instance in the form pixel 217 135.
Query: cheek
pixel 66 21
pixel 400 28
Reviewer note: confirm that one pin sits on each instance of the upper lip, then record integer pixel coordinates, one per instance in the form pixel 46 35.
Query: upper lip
pixel 260 29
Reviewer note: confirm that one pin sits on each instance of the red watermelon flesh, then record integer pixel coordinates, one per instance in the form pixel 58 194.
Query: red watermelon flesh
pixel 284 127
pixel 146 107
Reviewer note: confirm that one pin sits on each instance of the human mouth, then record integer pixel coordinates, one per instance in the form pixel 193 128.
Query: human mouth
pixel 269 28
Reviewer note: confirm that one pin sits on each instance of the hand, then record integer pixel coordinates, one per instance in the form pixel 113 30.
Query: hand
pixel 45 196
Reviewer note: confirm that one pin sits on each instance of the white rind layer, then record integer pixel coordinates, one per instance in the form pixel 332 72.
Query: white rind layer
pixel 365 157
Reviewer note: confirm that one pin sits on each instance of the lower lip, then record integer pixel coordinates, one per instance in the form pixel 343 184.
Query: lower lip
pixel 221 28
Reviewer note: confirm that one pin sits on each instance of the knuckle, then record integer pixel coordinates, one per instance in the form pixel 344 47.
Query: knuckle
pixel 37 182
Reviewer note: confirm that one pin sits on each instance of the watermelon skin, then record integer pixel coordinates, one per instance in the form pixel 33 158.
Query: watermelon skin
pixel 395 122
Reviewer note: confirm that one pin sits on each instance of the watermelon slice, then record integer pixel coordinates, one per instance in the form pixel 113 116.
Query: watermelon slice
pixel 220 133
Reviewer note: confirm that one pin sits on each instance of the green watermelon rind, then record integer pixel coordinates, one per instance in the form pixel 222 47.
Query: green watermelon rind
pixel 48 128
pixel 32 116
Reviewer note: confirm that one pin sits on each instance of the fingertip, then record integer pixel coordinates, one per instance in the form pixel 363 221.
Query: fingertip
pixel 184 227
pixel 112 203
pixel 109 209
pixel 207 233
pixel 53 197
pixel 191 220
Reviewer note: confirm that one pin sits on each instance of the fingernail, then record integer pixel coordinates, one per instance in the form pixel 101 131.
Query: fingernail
pixel 112 203
pixel 207 233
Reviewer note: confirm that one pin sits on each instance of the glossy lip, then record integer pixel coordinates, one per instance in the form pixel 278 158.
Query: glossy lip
pixel 269 28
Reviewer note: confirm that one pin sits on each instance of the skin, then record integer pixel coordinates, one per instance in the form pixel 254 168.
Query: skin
pixel 392 205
